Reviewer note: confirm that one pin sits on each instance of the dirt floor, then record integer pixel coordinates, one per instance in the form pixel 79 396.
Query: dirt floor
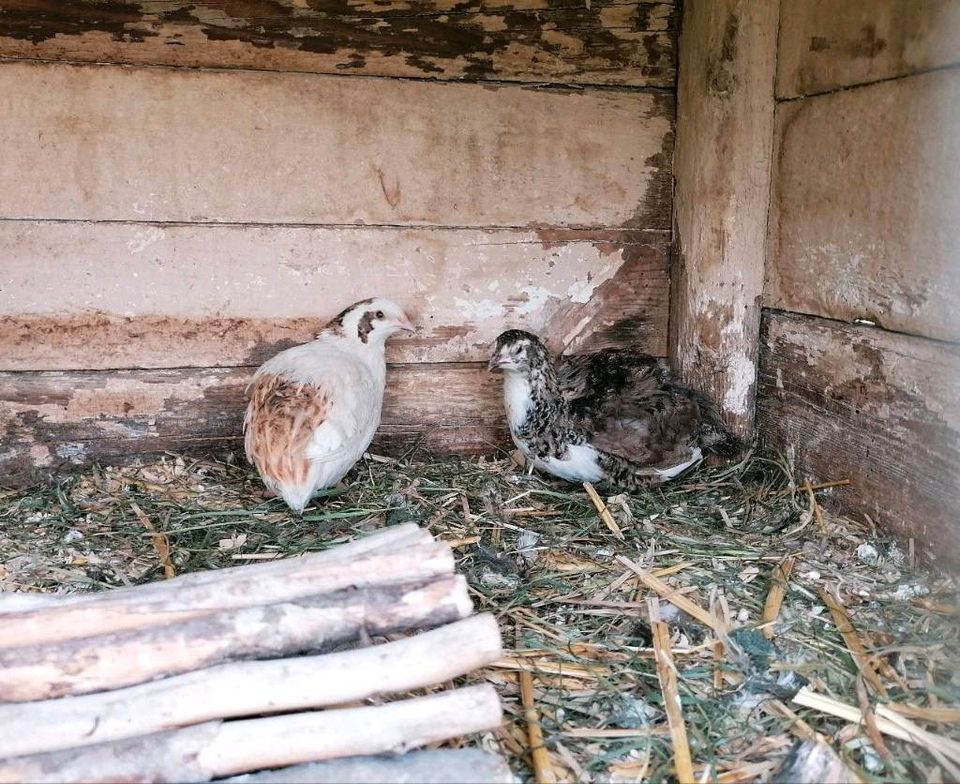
pixel 573 609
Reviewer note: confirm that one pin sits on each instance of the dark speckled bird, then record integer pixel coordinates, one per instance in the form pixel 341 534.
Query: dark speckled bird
pixel 611 416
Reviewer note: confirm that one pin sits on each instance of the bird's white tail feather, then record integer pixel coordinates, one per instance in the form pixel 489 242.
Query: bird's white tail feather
pixel 296 498
pixel 670 473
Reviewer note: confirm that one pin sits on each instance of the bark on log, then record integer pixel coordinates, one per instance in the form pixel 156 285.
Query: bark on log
pixel 218 749
pixel 398 538
pixel 292 579
pixel 308 624
pixel 251 688
pixel 440 766
pixel 17 601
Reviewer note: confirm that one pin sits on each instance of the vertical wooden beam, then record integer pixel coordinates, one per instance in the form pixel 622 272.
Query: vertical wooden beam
pixel 722 167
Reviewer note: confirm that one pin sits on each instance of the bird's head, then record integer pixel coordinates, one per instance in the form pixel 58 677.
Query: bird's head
pixel 371 321
pixel 517 351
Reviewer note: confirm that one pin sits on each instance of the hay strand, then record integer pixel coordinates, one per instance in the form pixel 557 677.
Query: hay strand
pixel 667 675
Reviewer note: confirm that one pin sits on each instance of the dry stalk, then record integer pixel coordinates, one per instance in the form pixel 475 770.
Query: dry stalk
pixel 603 511
pixel 889 723
pixel 667 674
pixel 939 715
pixel 852 640
pixel 160 542
pixel 780 577
pixel 542 767
pixel 670 594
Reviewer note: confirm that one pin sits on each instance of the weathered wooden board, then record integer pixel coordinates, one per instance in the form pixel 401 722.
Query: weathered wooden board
pixel 724 132
pixel 874 407
pixel 106 295
pixel 52 420
pixel 865 206
pixel 829 44
pixel 599 42
pixel 157 144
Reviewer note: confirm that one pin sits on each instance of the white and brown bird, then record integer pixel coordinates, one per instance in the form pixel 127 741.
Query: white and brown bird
pixel 611 416
pixel 314 408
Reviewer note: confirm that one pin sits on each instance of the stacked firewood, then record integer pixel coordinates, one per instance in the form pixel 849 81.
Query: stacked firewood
pixel 204 676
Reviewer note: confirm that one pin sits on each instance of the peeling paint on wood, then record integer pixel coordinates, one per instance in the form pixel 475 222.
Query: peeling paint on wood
pixel 724 134
pixel 829 44
pixel 864 211
pixel 599 42
pixel 200 296
pixel 176 145
pixel 52 421
pixel 877 408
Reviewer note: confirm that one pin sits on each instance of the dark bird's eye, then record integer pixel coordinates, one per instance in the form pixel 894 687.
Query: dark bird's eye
pixel 379 314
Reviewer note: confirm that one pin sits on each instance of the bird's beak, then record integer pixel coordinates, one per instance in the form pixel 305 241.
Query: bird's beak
pixel 495 363
pixel 405 325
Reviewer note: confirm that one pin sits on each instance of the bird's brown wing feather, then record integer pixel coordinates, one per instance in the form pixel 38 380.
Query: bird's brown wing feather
pixel 281 418
pixel 653 432
pixel 629 408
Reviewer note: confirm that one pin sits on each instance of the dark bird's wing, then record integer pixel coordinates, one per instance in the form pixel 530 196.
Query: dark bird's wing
pixel 630 407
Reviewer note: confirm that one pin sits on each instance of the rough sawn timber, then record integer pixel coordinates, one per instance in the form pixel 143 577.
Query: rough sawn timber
pixel 153 295
pixel 157 144
pixel 863 220
pixel 724 135
pixel 49 420
pixel 830 44
pixel 599 42
pixel 875 407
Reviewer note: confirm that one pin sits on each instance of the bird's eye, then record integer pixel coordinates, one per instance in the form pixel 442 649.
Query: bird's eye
pixel 379 314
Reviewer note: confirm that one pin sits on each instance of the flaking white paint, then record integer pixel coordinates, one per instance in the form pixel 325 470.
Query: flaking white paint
pixel 741 378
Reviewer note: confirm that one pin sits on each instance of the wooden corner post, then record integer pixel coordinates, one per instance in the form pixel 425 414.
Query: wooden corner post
pixel 723 158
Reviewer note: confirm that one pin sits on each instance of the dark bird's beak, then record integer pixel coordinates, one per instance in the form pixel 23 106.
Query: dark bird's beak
pixel 494 363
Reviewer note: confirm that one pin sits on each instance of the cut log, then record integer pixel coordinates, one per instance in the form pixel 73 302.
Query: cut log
pixel 251 688
pixel 440 766
pixel 217 749
pixel 290 579
pixel 11 601
pixel 396 539
pixel 308 624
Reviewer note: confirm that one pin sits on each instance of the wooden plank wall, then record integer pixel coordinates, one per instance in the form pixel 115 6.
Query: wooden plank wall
pixel 860 356
pixel 190 187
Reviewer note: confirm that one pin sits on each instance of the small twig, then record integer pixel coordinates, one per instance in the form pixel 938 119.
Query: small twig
pixel 852 640
pixel 160 542
pixel 780 578
pixel 603 511
pixel 667 675
pixel 540 759
pixel 669 594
